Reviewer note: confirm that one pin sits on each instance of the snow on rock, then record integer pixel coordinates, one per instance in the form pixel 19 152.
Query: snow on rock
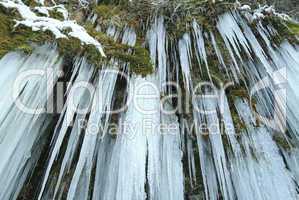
pixel 57 27
pixel 258 15
pixel 42 10
pixel 245 7
pixel 41 2
pixel 263 11
pixel 59 8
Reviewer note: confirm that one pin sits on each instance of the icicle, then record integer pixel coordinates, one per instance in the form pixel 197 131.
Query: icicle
pixel 102 169
pixel 218 52
pixel 228 123
pixel 289 60
pixel 157 40
pixel 207 114
pixel 187 147
pixel 172 170
pixel 77 99
pixel 18 142
pixel 102 100
pixel 101 104
pixel 201 50
pixel 144 159
pixel 292 161
pixel 233 38
pixel 265 173
pixel 191 161
pixel 185 54
pixel 127 169
pixel 256 47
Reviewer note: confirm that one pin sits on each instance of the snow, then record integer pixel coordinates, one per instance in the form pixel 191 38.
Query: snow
pixel 57 27
pixel 262 11
pixel 58 8
pixel 245 7
pixel 41 2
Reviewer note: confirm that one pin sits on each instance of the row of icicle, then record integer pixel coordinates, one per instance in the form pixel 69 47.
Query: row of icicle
pixel 148 164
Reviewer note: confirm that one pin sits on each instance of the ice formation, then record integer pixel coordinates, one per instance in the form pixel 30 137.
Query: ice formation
pixel 226 147
pixel 21 145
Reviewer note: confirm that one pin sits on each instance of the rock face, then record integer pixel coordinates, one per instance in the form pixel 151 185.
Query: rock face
pixel 291 7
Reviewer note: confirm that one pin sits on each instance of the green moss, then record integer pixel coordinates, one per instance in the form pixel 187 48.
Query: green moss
pixel 19 38
pixel 27 49
pixel 179 28
pixel 107 11
pixel 138 57
pixel 286 30
pixel 178 14
pixel 237 92
pixel 281 141
pixel 108 15
pixel 31 3
pixel 112 14
pixel 238 123
pixel 293 27
pixel 56 15
pixel 69 47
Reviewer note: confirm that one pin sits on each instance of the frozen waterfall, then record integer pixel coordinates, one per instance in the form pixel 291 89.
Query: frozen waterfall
pixel 216 119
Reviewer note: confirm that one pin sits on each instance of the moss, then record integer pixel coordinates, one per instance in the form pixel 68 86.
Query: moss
pixel 204 13
pixel 116 15
pixel 293 27
pixel 238 123
pixel 107 11
pixel 179 28
pixel 27 49
pixel 108 15
pixel 216 74
pixel 31 3
pixel 237 92
pixel 206 21
pixel 281 141
pixel 286 30
pixel 69 47
pixel 137 56
pixel 19 38
pixel 178 14
pixel 55 14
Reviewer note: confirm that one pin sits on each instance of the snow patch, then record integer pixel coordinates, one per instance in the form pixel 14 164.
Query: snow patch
pixel 263 11
pixel 57 27
pixel 59 8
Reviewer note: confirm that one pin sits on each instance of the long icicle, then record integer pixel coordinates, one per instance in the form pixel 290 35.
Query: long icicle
pixel 18 144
